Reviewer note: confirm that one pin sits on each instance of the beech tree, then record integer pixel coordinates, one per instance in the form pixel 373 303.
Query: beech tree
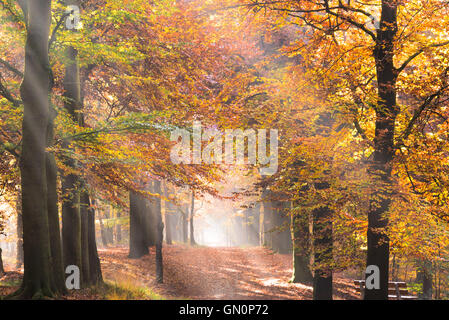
pixel 37 280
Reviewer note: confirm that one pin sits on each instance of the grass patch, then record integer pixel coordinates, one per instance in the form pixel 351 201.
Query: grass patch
pixel 11 283
pixel 112 290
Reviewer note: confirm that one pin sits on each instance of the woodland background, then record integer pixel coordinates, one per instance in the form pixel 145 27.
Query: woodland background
pixel 357 90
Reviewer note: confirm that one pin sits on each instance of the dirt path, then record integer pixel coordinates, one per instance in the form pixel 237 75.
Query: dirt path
pixel 214 273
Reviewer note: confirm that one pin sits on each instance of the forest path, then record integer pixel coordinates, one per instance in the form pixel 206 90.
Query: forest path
pixel 214 273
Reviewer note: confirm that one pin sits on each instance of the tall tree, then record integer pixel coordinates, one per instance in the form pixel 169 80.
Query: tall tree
pixel 34 93
pixel 71 217
pixel 386 113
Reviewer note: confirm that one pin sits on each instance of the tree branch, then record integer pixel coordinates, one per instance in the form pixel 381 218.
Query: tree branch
pixel 7 94
pixel 56 28
pixel 418 113
pixel 7 6
pixel 360 130
pixel 359 25
pixel 23 4
pixel 10 67
pixel 417 53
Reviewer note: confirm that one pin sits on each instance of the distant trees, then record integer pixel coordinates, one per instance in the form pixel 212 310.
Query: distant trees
pixel 138 231
pixel 191 215
pixel 159 226
pixel 145 232
pixel 2 269
pixel 302 246
pixel 169 216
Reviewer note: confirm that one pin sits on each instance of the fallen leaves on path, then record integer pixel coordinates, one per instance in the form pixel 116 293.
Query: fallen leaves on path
pixel 201 273
pixel 214 273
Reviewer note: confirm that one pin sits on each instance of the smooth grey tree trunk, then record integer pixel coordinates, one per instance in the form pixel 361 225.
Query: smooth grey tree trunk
pixel 37 279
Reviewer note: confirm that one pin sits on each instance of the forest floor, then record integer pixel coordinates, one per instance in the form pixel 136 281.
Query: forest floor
pixel 197 273
pixel 215 273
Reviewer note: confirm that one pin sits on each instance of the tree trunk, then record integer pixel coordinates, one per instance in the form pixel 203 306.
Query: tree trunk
pixel 394 269
pixel 150 219
pixel 95 276
pixel 118 228
pixel 246 226
pixel 19 259
pixel 301 249
pixel 261 228
pixel 254 225
pixel 2 269
pixel 84 212
pixel 160 234
pixel 424 276
pixel 184 223
pixel 192 213
pixel 267 223
pixel 284 234
pixel 104 238
pixel 322 245
pixel 53 213
pixel 34 93
pixel 274 223
pixel 386 112
pixel 137 233
pixel 168 216
pixel 168 227
pixel 281 239
pixel 110 226
pixel 71 218
pixel 71 221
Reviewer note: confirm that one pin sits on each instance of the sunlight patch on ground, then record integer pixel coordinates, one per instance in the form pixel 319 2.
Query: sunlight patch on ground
pixel 229 270
pixel 276 282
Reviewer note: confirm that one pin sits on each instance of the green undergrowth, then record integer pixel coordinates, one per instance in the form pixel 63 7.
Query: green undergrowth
pixel 112 290
pixel 10 283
